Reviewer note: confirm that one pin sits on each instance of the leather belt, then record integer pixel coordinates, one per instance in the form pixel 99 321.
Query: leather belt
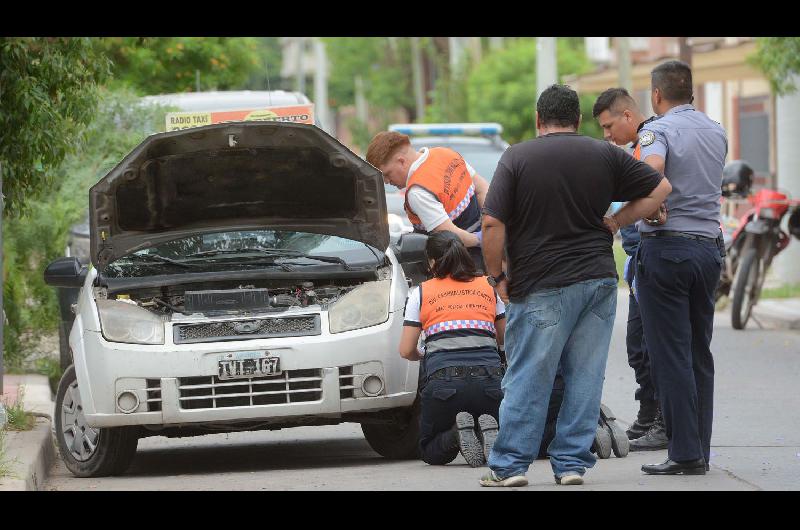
pixel 670 233
pixel 461 371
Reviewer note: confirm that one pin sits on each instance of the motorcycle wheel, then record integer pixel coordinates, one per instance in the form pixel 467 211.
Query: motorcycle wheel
pixel 745 287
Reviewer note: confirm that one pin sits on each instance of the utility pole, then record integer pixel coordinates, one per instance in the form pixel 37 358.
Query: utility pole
pixel 495 43
pixel 787 131
pixel 416 70
pixel 685 50
pixel 299 65
pixel 546 67
pixel 362 113
pixel 456 54
pixel 197 80
pixel 321 87
pixel 624 61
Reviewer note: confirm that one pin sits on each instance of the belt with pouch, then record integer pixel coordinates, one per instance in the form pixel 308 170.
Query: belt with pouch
pixel 461 371
pixel 670 233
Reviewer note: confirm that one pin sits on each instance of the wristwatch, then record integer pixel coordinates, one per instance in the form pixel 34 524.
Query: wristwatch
pixel 494 280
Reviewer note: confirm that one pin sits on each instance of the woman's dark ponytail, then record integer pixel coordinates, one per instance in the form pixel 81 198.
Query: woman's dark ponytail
pixel 450 257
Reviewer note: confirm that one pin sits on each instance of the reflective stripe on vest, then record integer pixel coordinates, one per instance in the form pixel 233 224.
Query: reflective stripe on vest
pixel 444 173
pixel 458 315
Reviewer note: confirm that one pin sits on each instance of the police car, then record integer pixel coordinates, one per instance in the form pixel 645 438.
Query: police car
pixel 479 143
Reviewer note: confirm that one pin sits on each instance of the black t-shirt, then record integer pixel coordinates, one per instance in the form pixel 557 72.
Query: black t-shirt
pixel 552 193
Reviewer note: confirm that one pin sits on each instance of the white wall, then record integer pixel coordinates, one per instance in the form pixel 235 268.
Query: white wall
pixel 713 102
pixel 787 263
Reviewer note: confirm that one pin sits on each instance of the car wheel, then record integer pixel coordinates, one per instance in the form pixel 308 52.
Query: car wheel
pixel 398 440
pixel 89 451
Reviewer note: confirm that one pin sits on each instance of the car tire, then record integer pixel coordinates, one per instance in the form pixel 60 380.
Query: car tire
pixel 86 451
pixel 398 440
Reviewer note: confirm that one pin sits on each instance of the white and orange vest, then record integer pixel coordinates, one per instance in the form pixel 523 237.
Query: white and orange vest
pixel 458 315
pixel 444 173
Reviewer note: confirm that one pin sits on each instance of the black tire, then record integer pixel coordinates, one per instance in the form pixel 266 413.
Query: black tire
pixel 744 285
pixel 115 446
pixel 399 440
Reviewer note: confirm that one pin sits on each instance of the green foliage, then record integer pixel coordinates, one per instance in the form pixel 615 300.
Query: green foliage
pixel 6 465
pixel 383 63
pixel 502 88
pixel 159 65
pixel 47 93
pixel 779 59
pixel 270 56
pixel 784 291
pixel 18 418
pixel 34 239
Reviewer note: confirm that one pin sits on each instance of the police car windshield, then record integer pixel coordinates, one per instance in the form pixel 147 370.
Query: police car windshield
pixel 482 156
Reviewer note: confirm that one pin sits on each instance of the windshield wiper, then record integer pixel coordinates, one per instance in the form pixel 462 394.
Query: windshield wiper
pixel 162 259
pixel 275 253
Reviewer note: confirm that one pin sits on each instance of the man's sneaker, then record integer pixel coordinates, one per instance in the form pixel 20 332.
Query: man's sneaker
pixel 570 478
pixel 489 429
pixel 655 439
pixel 492 480
pixel 468 443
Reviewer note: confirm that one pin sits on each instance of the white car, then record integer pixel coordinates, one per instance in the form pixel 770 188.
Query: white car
pixel 241 278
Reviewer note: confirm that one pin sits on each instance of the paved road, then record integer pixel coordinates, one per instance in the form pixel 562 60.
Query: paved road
pixel 755 445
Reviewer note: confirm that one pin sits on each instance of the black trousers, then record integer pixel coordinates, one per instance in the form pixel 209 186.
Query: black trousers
pixel 443 399
pixel 676 279
pixel 638 358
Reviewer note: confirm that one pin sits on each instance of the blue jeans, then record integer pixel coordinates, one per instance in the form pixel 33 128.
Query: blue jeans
pixel 570 326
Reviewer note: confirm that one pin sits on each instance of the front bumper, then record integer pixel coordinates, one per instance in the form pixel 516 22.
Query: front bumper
pixel 176 384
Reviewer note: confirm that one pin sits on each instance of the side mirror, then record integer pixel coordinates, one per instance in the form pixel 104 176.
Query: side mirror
pixel 65 272
pixel 410 248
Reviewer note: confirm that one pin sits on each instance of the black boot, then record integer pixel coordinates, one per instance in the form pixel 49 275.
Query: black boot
pixel 655 439
pixel 644 419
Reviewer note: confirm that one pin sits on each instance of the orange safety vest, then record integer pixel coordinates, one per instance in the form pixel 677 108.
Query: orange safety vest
pixel 444 173
pixel 637 151
pixel 458 315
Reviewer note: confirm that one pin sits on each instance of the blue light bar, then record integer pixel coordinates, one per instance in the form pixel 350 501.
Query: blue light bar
pixel 447 129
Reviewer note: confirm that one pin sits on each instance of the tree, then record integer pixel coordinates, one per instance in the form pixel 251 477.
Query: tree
pixel 502 88
pixel 160 65
pixel 48 92
pixel 779 59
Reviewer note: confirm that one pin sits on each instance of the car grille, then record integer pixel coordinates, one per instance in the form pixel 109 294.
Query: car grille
pixel 293 386
pixel 153 394
pixel 255 329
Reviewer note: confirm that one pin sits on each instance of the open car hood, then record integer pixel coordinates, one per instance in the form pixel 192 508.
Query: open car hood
pixel 235 176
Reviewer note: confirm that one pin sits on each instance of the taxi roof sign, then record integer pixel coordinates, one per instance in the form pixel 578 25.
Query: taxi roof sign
pixel 447 129
pixel 290 113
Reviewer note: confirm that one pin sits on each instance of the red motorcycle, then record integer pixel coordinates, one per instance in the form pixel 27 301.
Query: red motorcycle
pixel 755 242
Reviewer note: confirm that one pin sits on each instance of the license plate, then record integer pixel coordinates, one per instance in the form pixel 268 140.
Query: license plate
pixel 248 364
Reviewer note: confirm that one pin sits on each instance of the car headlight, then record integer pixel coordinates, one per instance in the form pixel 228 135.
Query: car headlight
pixel 125 322
pixel 366 305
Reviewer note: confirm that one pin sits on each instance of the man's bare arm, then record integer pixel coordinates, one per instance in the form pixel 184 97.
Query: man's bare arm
pixel 636 209
pixel 494 241
pixel 481 188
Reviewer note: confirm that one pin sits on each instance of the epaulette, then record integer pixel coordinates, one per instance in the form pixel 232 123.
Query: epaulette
pixel 645 122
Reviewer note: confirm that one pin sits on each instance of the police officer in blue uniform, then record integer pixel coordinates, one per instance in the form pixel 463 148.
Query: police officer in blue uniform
pixel 678 267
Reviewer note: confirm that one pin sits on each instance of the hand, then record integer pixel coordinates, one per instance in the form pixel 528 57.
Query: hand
pixel 502 290
pixel 611 223
pixel 658 217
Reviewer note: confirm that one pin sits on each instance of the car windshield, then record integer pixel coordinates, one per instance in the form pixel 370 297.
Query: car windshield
pixel 244 250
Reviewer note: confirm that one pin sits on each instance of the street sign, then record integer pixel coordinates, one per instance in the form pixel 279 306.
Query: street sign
pixel 294 114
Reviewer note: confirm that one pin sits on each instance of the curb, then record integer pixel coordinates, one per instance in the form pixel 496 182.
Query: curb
pixel 779 314
pixel 32 453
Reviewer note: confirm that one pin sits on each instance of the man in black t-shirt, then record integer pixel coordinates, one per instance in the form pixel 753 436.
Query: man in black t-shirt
pixel 545 206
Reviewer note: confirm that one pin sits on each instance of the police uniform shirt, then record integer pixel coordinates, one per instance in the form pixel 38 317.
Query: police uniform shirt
pixel 693 147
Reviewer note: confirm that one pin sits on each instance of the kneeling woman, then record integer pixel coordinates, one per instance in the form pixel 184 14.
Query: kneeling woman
pixel 463 322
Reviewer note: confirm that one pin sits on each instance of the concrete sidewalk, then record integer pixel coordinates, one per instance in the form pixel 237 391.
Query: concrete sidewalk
pixel 30 453
pixel 778 313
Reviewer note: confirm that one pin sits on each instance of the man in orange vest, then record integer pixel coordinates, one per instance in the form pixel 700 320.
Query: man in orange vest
pixel 443 191
pixel 619 116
